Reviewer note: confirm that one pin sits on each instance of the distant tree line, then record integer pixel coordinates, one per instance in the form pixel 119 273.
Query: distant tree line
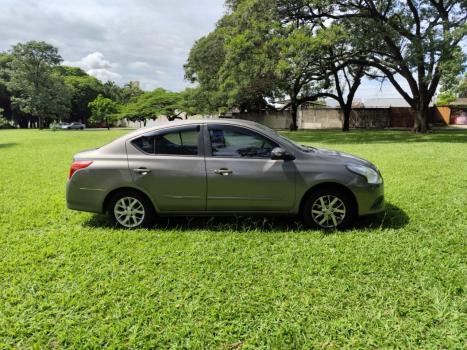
pixel 36 90
pixel 295 51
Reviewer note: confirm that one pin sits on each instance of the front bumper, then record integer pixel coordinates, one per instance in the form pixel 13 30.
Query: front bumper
pixel 370 199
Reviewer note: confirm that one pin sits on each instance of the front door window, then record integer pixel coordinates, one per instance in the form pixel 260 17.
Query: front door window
pixel 235 142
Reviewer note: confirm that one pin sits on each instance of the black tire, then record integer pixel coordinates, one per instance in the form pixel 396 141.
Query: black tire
pixel 333 214
pixel 135 221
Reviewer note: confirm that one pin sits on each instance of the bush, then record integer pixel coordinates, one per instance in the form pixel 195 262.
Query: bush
pixel 5 124
pixel 53 126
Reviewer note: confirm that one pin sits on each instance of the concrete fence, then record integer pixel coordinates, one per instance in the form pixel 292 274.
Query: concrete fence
pixel 330 118
pixel 321 118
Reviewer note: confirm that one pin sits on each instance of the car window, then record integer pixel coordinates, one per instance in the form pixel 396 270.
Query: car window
pixel 178 142
pixel 237 142
pixel 145 144
pixel 184 142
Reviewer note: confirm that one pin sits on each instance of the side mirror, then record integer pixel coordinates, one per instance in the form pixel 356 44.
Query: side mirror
pixel 281 154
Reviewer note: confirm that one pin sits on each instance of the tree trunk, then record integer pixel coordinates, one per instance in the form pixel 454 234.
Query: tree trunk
pixel 421 120
pixel 346 123
pixel 107 123
pixel 294 125
pixel 41 125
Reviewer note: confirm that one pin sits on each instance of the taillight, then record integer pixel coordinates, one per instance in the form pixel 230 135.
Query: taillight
pixel 80 164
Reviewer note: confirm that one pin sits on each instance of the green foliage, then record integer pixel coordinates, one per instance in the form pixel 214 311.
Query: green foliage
pixel 150 105
pixel 397 280
pixel 193 101
pixel 103 109
pixel 204 64
pixel 456 88
pixel 122 95
pixel 36 88
pixel 112 90
pixel 68 71
pixel 258 55
pixel 462 87
pixel 5 96
pixel 129 91
pixel 418 41
pixel 444 98
pixel 83 89
pixel 3 121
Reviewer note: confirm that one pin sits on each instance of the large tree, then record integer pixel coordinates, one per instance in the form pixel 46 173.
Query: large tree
pixel 192 101
pixel 37 89
pixel 5 96
pixel 416 41
pixel 103 109
pixel 129 91
pixel 153 104
pixel 112 91
pixel 204 63
pixel 83 89
pixel 267 53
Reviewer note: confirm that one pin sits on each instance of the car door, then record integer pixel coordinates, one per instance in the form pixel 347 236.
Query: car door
pixel 241 177
pixel 169 165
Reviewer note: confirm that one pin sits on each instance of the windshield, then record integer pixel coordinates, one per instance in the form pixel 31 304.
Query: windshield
pixel 286 140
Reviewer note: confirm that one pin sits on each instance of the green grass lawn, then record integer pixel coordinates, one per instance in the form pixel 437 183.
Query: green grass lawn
pixel 397 280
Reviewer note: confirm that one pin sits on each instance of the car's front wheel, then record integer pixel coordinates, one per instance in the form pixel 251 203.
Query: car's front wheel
pixel 130 209
pixel 329 209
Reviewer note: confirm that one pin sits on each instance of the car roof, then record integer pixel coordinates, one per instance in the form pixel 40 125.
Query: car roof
pixel 227 121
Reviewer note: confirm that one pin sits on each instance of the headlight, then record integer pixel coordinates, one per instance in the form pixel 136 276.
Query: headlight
pixel 371 175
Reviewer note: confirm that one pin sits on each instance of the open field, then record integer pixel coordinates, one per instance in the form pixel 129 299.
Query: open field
pixel 397 280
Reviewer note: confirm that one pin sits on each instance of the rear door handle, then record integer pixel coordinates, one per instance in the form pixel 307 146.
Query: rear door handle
pixel 223 172
pixel 142 171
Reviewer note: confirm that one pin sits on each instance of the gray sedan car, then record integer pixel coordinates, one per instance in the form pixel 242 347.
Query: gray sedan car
pixel 221 167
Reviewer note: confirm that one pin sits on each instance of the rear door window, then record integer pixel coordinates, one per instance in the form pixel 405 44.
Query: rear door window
pixel 174 142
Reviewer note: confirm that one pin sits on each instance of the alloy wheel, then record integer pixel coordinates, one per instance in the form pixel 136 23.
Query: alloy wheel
pixel 129 212
pixel 328 211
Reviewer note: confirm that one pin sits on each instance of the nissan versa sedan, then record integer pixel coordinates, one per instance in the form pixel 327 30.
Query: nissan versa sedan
pixel 221 167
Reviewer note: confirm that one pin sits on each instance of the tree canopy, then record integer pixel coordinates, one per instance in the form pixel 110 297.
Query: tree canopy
pixel 36 88
pixel 265 50
pixel 103 109
pixel 150 105
pixel 83 89
pixel 417 41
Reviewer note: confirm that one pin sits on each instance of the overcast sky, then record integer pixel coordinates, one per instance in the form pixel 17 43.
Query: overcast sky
pixel 123 40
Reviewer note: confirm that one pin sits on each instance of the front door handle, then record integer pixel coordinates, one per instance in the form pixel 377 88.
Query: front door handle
pixel 223 172
pixel 142 171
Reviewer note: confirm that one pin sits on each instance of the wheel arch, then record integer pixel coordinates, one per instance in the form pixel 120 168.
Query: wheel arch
pixel 112 193
pixel 325 185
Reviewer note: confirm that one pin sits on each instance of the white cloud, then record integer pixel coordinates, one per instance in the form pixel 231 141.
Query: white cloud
pixel 104 74
pixel 96 65
pixel 95 60
pixel 138 65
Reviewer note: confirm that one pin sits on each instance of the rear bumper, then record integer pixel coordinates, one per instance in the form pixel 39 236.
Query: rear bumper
pixel 84 199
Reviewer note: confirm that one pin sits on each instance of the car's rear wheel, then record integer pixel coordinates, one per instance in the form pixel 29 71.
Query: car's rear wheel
pixel 130 209
pixel 328 209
